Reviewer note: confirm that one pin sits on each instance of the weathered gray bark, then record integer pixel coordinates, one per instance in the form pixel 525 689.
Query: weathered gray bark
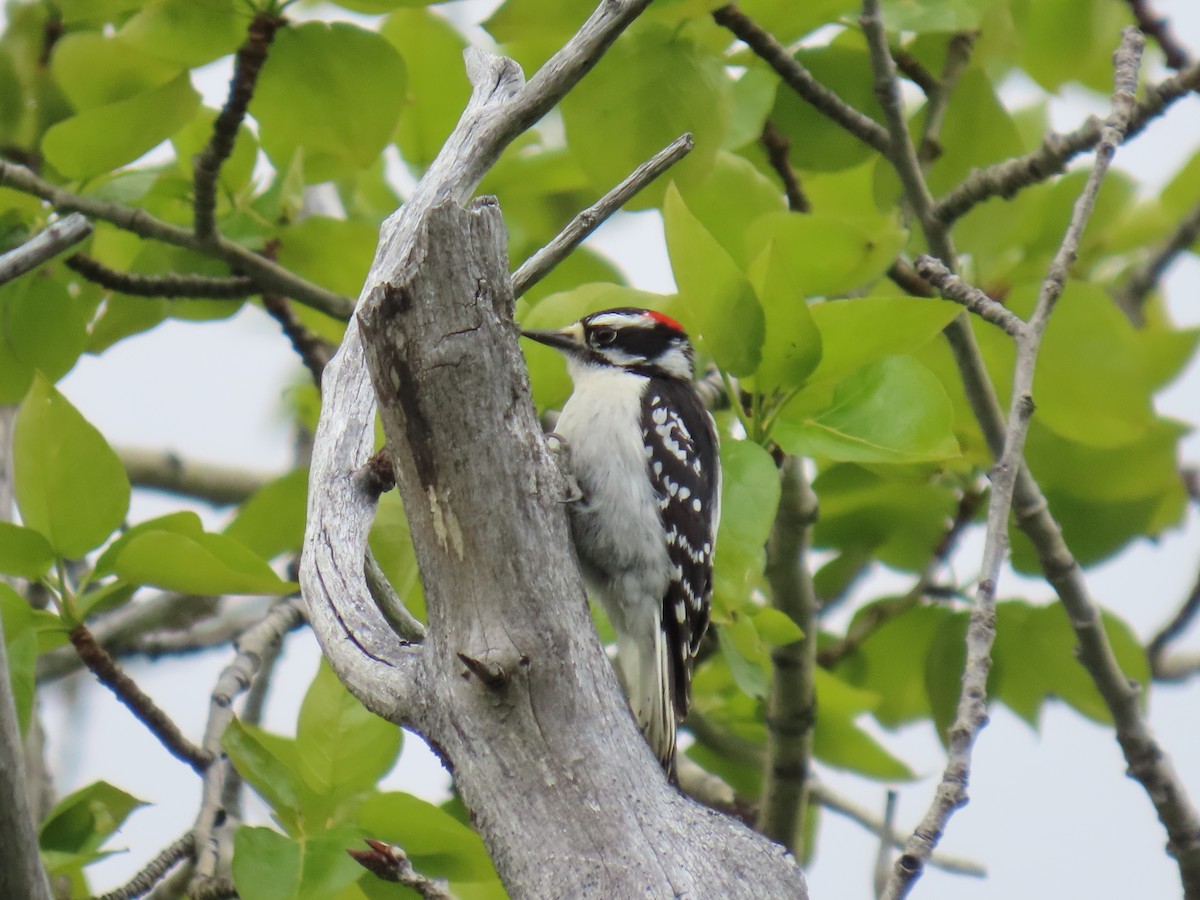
pixel 565 792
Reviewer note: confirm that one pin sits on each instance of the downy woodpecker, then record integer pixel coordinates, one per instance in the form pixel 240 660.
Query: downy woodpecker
pixel 643 450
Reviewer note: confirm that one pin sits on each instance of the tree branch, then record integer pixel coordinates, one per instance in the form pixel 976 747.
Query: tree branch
pixel 778 147
pixel 799 79
pixel 246 65
pixel 266 274
pixel 1005 179
pixel 539 265
pixel 44 246
pixel 149 713
pixel 971 714
pixel 145 880
pixel 1179 623
pixel 171 286
pixel 792 702
pixel 1158 28
pixel 252 647
pixel 958 57
pixel 951 287
pixel 314 351
pixel 392 864
pixel 1131 296
pixel 167 471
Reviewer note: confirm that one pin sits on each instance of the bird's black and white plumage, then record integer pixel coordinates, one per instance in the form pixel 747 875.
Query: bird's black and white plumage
pixel 644 451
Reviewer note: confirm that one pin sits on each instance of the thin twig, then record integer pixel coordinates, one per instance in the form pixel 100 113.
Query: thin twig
pixel 246 65
pixel 313 350
pixel 906 278
pixel 145 880
pixel 915 71
pixel 392 864
pixel 43 246
pixel 971 714
pixel 843 807
pixel 105 668
pixel 235 679
pixel 407 626
pixel 1179 623
pixel 171 286
pixel 879 614
pixel 166 471
pixel 1005 179
pixel 539 265
pixel 799 79
pixel 1131 296
pixel 777 145
pixel 952 287
pixel 1158 29
pixel 887 837
pixel 958 57
pixel 791 704
pixel 268 275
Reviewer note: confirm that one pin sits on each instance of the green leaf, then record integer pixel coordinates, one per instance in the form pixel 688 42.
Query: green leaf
pixel 896 516
pixel 818 143
pixel 838 742
pixel 713 291
pixel 94 70
pixel 272 520
pixel 189 32
pixel 861 331
pixel 653 85
pixel 753 97
pixel 42 328
pixel 1071 40
pixel 749 498
pixel 439 845
pixel 81 822
pixel 266 864
pixel 934 15
pixel 891 662
pixel 268 763
pixel 432 49
pixel 24 552
pixel 334 253
pixel 391 542
pixel 186 522
pixel 105 137
pixel 333 90
pixel 197 564
pixel 891 411
pixel 733 195
pixel 745 655
pixel 775 626
pixel 830 254
pixel 341 748
pixel 791 348
pixel 69 484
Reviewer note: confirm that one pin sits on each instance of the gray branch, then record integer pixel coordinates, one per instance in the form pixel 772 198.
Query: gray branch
pixel 1131 296
pixel 792 703
pixel 954 288
pixel 541 263
pixel 971 714
pixel 166 471
pixel 44 246
pixel 552 739
pixel 213 826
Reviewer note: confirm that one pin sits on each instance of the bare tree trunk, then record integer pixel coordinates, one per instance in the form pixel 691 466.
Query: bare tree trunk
pixel 511 685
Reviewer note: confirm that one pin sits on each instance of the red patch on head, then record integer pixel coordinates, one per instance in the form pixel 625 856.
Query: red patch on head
pixel 664 320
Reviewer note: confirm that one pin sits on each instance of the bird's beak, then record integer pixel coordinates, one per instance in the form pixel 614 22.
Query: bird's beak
pixel 568 340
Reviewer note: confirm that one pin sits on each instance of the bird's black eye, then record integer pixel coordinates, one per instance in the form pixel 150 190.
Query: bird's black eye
pixel 604 335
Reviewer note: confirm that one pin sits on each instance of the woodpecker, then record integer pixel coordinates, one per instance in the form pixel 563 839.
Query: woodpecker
pixel 643 449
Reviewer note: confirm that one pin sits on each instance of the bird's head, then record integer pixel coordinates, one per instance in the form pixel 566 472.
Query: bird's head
pixel 641 340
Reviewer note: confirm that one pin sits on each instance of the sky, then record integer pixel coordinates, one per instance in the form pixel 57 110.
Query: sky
pixel 1051 812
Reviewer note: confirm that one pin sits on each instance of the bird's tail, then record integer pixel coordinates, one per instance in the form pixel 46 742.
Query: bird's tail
pixel 645 668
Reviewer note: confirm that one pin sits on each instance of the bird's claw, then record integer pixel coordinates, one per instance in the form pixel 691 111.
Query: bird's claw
pixel 560 450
